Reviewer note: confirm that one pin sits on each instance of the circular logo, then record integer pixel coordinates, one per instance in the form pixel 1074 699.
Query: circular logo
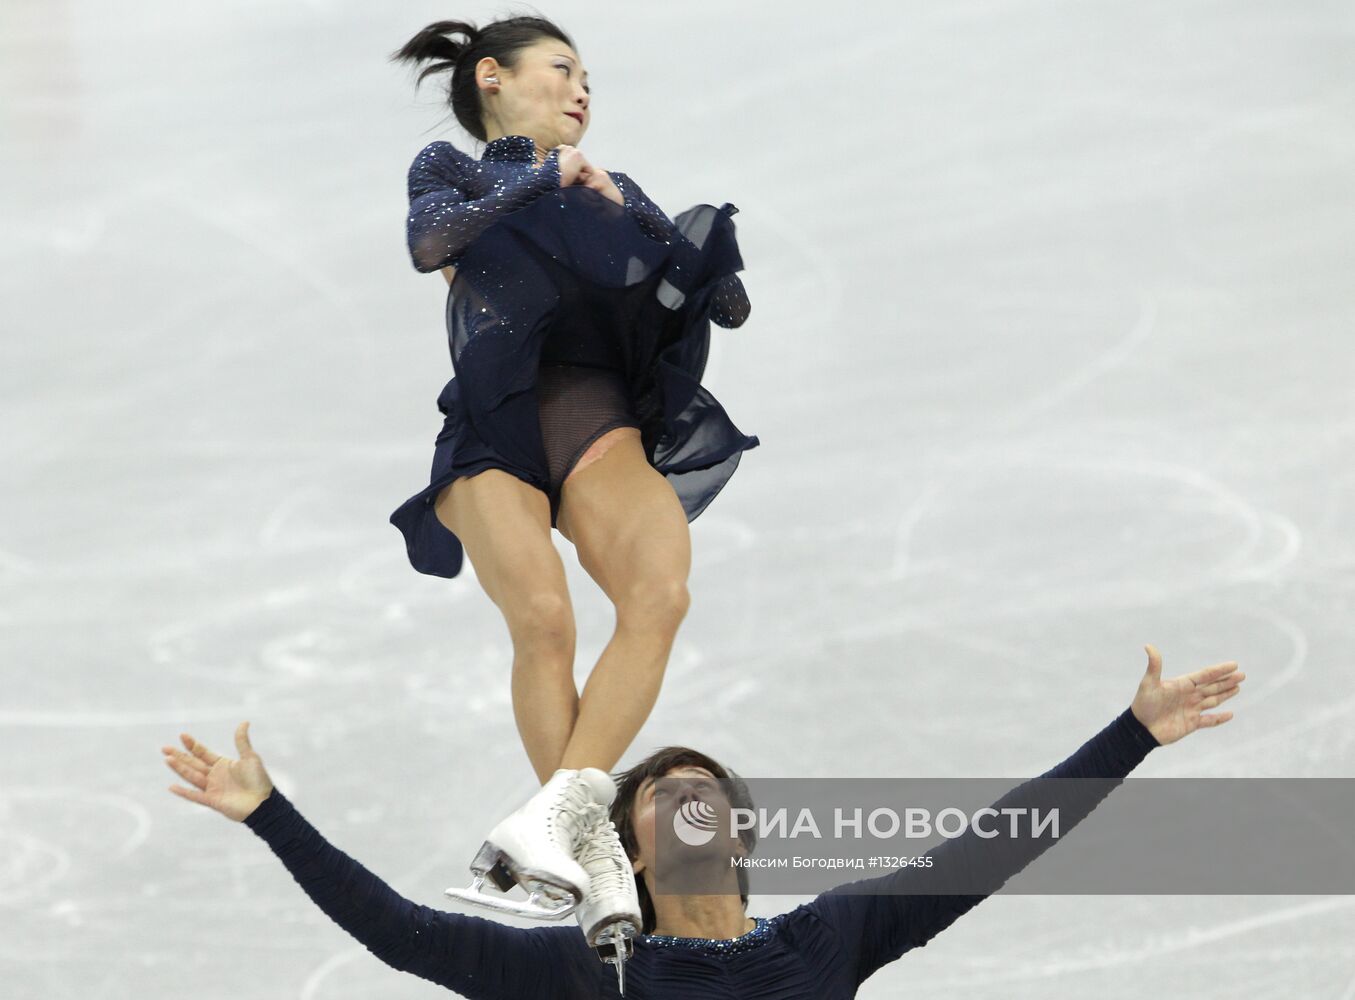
pixel 694 823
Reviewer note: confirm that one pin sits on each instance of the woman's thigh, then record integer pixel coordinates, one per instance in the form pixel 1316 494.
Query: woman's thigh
pixel 504 526
pixel 624 519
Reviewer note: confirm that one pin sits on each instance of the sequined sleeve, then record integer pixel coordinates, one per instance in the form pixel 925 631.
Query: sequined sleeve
pixel 473 956
pixel 898 913
pixel 446 210
pixel 653 223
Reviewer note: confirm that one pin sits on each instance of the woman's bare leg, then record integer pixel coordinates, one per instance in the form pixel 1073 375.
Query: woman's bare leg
pixel 504 525
pixel 632 538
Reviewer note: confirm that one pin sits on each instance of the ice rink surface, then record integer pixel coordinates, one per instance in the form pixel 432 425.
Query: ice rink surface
pixel 1050 356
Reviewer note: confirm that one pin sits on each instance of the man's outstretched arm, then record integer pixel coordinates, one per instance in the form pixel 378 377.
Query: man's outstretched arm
pixel 880 919
pixel 477 958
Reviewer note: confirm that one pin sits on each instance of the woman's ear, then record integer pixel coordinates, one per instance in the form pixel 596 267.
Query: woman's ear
pixel 487 73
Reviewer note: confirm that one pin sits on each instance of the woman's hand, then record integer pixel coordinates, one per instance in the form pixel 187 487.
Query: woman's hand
pixel 575 169
pixel 572 161
pixel 233 788
pixel 1172 709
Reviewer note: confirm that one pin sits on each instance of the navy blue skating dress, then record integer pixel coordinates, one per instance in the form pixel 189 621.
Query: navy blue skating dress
pixel 568 316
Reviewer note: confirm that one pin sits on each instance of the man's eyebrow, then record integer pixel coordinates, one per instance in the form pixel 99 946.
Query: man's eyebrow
pixel 571 59
pixel 697 772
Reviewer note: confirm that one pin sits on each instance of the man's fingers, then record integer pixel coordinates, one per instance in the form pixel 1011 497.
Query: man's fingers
pixel 186 759
pixel 1207 674
pixel 198 750
pixel 185 771
pixel 1214 699
pixel 1216 719
pixel 1229 683
pixel 191 794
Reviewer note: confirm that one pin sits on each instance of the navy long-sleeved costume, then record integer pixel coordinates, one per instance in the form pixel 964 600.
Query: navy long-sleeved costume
pixel 824 949
pixel 595 284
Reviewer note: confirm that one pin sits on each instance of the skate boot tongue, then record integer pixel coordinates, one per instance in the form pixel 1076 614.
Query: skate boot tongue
pixel 600 783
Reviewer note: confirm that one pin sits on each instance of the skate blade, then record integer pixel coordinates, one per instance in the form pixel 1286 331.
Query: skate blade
pixel 491 862
pixel 494 863
pixel 537 905
pixel 615 953
pixel 613 945
pixel 612 934
pixel 545 899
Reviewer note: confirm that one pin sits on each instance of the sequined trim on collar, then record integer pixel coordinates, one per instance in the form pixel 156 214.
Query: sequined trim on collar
pixel 747 941
pixel 509 148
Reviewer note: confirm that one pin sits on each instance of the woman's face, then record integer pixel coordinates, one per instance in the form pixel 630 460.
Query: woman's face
pixel 545 96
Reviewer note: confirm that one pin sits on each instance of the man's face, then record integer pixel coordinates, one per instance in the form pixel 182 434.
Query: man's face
pixel 656 802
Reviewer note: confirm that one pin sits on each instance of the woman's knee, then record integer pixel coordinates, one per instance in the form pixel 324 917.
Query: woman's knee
pixel 654 602
pixel 541 617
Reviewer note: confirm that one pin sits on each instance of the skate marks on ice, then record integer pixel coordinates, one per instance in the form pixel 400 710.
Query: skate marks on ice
pixel 996 458
pixel 1139 521
pixel 1137 944
pixel 1261 151
pixel 271 247
pixel 90 824
pixel 315 980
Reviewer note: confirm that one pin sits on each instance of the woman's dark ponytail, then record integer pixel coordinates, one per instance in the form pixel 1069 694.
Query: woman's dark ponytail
pixel 432 43
pixel 500 40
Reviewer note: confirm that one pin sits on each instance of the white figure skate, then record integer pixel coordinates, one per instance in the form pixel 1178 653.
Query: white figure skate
pixel 535 847
pixel 610 912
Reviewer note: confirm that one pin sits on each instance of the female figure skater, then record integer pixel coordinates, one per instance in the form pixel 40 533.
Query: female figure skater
pixel 578 320
pixel 704 945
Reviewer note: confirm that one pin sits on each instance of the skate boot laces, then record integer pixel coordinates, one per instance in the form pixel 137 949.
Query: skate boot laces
pixel 601 856
pixel 570 817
